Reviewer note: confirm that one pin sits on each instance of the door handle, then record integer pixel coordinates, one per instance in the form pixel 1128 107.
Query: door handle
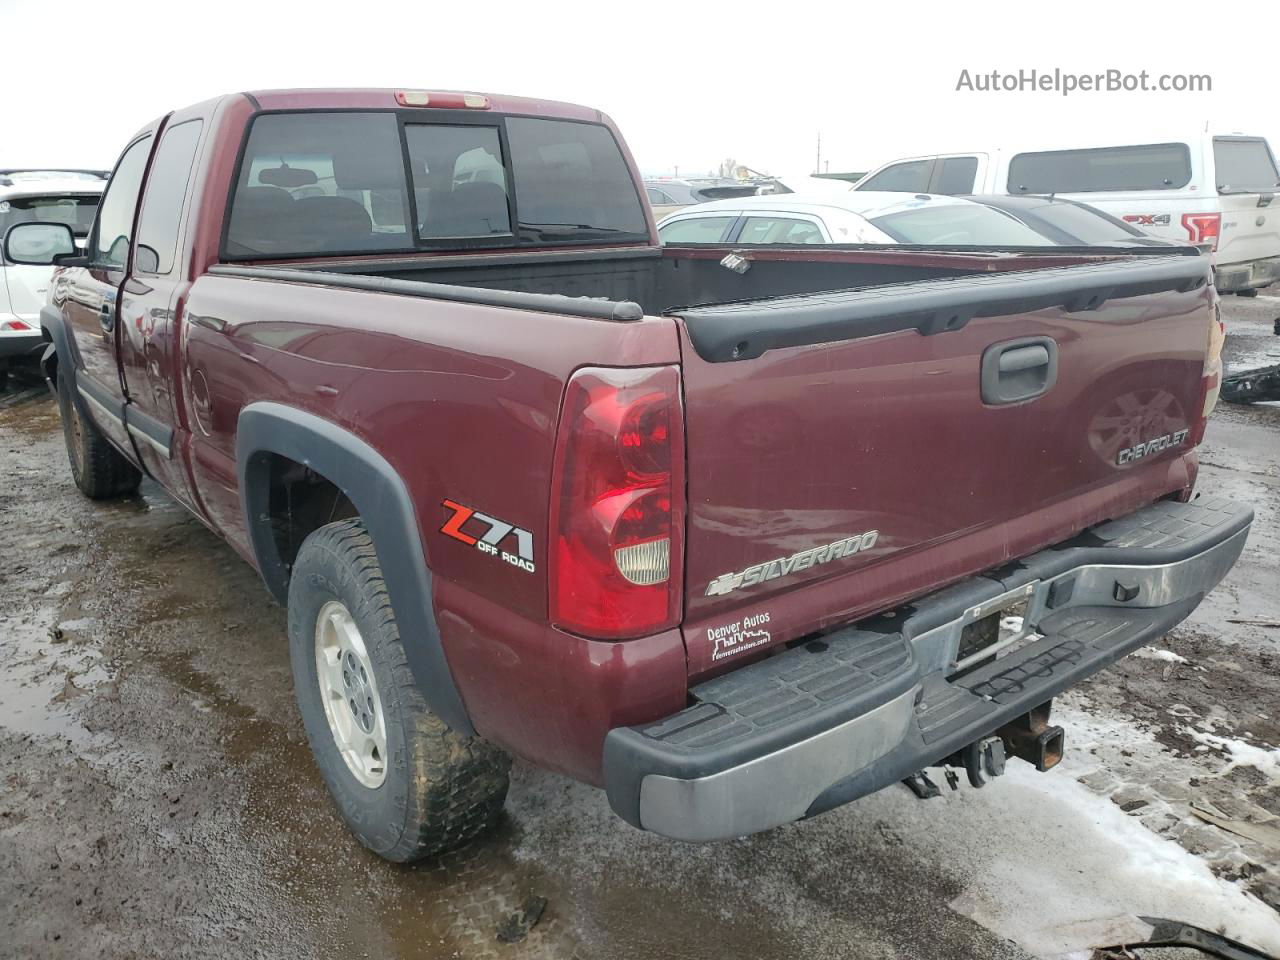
pixel 106 316
pixel 1016 371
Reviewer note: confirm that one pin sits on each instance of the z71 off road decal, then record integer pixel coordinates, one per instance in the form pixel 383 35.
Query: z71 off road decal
pixel 487 533
pixel 728 582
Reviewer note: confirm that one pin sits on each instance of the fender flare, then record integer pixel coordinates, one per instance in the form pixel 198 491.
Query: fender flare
pixel 63 355
pixel 383 501
pixel 54 326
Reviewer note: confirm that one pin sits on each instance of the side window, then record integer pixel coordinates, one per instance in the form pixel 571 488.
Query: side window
pixel 910 177
pixel 162 204
pixel 459 181
pixel 696 230
pixel 779 230
pixel 955 175
pixel 115 215
pixel 657 197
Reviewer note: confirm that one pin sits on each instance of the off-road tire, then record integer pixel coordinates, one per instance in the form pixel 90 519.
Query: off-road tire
pixel 98 468
pixel 441 789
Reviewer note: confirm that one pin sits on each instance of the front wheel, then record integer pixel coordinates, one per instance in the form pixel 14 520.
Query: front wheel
pixel 98 468
pixel 406 785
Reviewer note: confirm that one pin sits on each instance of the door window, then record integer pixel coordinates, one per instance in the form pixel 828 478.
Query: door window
pixel 955 175
pixel 779 230
pixel 166 189
pixel 115 215
pixel 909 177
pixel 696 230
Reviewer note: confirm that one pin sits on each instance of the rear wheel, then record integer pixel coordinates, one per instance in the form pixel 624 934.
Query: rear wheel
pixel 1252 292
pixel 99 469
pixel 406 785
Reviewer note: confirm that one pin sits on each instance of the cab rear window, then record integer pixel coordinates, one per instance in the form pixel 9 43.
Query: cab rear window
pixel 322 183
pixel 1147 166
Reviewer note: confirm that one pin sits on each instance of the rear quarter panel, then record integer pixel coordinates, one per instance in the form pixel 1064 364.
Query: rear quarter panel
pixel 461 399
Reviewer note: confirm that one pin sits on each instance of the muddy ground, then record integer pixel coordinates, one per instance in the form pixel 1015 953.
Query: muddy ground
pixel 157 798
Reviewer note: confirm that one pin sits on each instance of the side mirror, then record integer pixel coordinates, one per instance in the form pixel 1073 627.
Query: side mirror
pixel 146 259
pixel 38 244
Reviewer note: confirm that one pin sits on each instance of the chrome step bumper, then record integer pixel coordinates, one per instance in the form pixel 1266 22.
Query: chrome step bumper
pixel 843 715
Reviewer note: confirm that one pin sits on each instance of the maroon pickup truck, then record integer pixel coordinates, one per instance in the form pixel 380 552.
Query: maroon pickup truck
pixel 738 535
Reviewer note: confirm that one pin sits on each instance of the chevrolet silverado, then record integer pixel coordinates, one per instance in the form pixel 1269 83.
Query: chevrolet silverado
pixel 737 535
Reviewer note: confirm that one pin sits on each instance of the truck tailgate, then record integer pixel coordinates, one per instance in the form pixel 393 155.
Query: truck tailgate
pixel 850 450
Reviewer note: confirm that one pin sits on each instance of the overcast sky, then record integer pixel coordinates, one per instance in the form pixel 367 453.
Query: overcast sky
pixel 689 84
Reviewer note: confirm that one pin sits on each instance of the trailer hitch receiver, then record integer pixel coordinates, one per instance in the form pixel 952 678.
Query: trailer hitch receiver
pixel 1031 738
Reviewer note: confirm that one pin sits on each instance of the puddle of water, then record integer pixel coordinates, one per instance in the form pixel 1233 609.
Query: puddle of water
pixel 46 668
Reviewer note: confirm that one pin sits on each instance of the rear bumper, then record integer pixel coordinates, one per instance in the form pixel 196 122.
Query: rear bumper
pixel 1251 275
pixel 837 718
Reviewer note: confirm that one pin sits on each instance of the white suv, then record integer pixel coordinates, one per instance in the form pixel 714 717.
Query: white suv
pixel 61 196
pixel 1217 190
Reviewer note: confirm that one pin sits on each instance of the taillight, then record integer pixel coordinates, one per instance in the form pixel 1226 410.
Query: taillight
pixel 1210 373
pixel 1212 370
pixel 14 325
pixel 617 509
pixel 1203 227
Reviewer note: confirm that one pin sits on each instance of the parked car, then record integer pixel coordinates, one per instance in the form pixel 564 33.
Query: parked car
pixel 736 563
pixel 1070 222
pixel 668 195
pixel 1207 188
pixel 40 197
pixel 14 175
pixel 861 217
pixel 806 184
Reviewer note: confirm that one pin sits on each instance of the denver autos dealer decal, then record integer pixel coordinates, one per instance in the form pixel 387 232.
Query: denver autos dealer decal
pixel 740 635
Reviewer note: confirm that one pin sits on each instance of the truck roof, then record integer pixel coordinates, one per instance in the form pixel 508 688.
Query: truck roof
pixel 383 99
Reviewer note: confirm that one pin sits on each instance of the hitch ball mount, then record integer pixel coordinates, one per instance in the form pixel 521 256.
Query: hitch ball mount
pixel 1029 737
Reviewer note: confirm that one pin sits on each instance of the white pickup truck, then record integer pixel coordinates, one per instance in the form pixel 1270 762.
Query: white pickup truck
pixel 58 196
pixel 1211 189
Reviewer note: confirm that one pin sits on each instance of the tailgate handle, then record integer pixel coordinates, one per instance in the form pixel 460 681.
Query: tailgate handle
pixel 1018 370
pixel 1024 358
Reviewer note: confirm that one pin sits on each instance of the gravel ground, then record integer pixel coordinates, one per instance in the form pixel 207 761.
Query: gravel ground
pixel 157 797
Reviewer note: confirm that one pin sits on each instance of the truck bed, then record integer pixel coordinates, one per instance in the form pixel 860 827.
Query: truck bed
pixel 851 403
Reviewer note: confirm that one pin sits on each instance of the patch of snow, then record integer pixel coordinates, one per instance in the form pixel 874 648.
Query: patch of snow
pixel 1112 868
pixel 1153 653
pixel 1079 851
pixel 1242 754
